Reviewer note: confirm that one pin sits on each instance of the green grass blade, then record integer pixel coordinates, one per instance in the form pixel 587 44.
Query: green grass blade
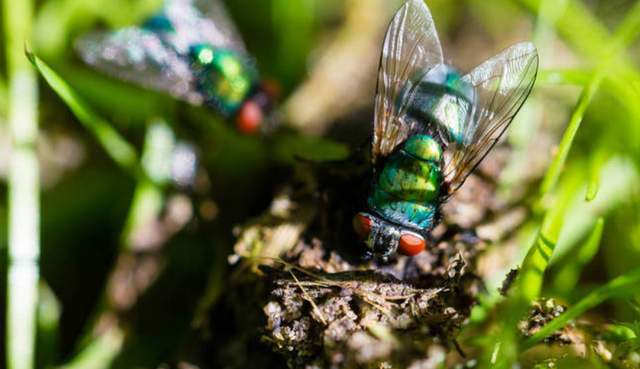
pixel 623 286
pixel 625 34
pixel 503 347
pixel 555 169
pixel 527 287
pixel 115 145
pixel 502 350
pixel 590 248
pixel 568 276
pixel 593 33
pixel 529 282
pixel 49 312
pixel 99 353
pixel 629 28
pixel 148 197
pixel 146 206
pixel 3 97
pixel 596 162
pixel 593 186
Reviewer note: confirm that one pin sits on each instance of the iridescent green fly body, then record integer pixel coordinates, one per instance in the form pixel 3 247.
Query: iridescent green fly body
pixel 433 125
pixel 223 76
pixel 191 50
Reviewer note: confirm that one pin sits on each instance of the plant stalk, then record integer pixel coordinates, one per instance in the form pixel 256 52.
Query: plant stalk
pixel 24 191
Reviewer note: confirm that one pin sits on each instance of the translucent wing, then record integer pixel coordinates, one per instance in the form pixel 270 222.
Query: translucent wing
pixel 502 84
pixel 411 48
pixel 138 55
pixel 201 21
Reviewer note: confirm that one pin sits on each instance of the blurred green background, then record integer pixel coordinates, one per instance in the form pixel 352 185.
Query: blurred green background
pixel 586 105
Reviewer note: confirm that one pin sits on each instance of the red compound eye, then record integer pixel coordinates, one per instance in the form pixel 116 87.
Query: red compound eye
pixel 249 118
pixel 411 244
pixel 362 225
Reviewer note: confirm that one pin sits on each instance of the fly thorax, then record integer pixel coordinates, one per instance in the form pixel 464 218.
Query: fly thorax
pixel 158 23
pixel 442 96
pixel 223 77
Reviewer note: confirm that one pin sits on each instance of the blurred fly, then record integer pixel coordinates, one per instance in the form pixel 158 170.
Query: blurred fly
pixel 432 127
pixel 191 50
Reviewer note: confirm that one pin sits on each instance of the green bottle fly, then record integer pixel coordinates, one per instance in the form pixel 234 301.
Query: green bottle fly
pixel 432 127
pixel 191 50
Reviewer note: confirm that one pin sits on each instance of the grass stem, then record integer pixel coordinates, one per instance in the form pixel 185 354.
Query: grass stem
pixel 624 285
pixel 24 190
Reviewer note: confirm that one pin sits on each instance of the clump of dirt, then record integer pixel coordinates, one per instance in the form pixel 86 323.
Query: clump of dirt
pixel 543 312
pixel 404 314
pixel 324 307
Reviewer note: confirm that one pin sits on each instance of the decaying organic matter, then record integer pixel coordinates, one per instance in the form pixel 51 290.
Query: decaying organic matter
pixel 351 319
pixel 324 307
pixel 542 313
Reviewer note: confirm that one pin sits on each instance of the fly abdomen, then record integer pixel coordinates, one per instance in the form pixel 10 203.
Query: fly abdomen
pixel 223 77
pixel 407 190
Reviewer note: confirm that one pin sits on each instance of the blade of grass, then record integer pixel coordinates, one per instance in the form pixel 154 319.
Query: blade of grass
pixel 625 34
pixel 553 173
pixel 146 206
pixel 569 274
pixel 115 145
pixel 623 286
pixel 503 352
pixel 502 349
pixel 596 162
pixel 3 97
pixel 593 186
pixel 527 286
pixel 146 203
pixel 114 98
pixel 589 42
pixel 99 354
pixel 593 34
pixel 148 198
pixel 24 191
pixel 49 311
pixel 619 181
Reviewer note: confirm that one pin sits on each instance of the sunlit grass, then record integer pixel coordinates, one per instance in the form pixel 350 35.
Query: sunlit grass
pixel 503 349
pixel 117 147
pixel 622 286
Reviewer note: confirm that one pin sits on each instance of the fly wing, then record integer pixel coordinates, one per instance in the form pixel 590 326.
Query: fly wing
pixel 502 84
pixel 140 56
pixel 201 21
pixel 411 48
